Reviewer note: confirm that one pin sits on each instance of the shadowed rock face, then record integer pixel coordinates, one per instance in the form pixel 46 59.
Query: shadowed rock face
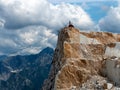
pixel 80 55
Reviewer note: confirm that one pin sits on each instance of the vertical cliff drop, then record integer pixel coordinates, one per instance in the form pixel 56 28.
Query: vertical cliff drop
pixel 82 59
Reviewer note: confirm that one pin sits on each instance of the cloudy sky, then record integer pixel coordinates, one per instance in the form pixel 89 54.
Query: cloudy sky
pixel 28 26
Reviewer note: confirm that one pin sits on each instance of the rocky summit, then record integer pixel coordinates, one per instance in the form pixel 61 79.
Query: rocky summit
pixel 85 61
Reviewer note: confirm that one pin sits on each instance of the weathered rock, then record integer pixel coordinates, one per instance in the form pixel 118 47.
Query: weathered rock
pixel 109 86
pixel 80 55
pixel 112 69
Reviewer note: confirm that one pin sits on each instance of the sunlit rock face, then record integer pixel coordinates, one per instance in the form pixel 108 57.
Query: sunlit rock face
pixel 113 69
pixel 81 55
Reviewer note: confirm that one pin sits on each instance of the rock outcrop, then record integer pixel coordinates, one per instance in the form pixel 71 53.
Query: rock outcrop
pixel 84 57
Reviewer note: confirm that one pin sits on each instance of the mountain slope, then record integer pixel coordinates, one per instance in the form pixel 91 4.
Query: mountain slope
pixel 25 72
pixel 84 60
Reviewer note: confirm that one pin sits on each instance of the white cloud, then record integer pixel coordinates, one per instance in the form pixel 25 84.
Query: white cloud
pixel 8 42
pixel 79 1
pixel 27 40
pixel 34 23
pixel 40 12
pixel 111 22
pixel 2 23
pixel 29 36
pixel 118 3
pixel 35 37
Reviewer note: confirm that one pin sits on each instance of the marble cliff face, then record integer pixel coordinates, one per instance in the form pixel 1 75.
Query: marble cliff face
pixel 84 57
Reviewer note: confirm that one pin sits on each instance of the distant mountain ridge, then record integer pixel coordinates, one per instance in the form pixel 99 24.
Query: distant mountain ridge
pixel 25 72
